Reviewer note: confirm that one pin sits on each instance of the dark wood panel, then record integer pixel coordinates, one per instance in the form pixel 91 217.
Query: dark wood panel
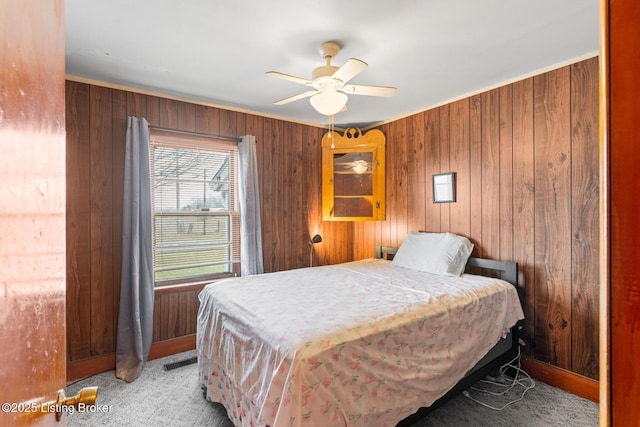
pixel 585 221
pixel 271 200
pixel 153 110
pixel 393 185
pixel 416 173
pixel 287 193
pixel 490 247
pixel 280 215
pixel 202 119
pixel 368 239
pixel 167 113
pixel 123 105
pixel 299 234
pixel 385 227
pixel 241 124
pixel 102 310
pixel 553 218
pixel 192 313
pixel 214 121
pixel 253 125
pixel 136 104
pixel 227 123
pixel 505 94
pixel 475 172
pixel 459 162
pixel 186 117
pixel 432 145
pixel 78 224
pixel 341 244
pixel 312 181
pixel 523 198
pixel 187 321
pixel 445 162
pixel 169 316
pixel 401 171
pixel 157 318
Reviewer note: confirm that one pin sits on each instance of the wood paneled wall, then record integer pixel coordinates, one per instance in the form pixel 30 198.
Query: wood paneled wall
pixel 526 163
pixel 526 160
pixel 290 176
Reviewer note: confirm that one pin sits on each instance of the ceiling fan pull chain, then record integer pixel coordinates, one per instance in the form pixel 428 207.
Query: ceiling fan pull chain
pixel 331 130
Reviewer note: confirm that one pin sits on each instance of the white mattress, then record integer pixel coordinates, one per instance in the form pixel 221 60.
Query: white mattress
pixel 357 344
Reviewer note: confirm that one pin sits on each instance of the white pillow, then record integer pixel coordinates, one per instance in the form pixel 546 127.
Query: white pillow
pixel 445 254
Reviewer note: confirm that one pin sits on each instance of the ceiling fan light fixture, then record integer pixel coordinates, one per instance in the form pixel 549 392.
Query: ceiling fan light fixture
pixel 328 103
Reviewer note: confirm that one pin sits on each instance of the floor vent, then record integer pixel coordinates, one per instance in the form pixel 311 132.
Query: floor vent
pixel 180 363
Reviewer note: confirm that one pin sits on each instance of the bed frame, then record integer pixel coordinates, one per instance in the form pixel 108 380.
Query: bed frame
pixel 503 352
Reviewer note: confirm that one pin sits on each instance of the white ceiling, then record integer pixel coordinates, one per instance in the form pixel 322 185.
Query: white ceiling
pixel 217 51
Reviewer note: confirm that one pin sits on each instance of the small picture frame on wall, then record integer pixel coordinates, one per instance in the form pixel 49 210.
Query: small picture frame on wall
pixel 444 187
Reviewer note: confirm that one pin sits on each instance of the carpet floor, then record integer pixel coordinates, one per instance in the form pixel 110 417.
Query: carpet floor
pixel 174 398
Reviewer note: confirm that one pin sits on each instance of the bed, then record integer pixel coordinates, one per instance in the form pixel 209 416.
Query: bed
pixel 364 343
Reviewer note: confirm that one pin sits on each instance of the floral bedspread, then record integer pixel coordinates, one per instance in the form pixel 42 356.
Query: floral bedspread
pixel 356 344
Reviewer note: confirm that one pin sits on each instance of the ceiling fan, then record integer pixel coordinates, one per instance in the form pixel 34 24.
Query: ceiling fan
pixel 329 83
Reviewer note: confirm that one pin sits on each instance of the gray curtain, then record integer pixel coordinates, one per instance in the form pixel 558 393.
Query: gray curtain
pixel 250 229
pixel 135 319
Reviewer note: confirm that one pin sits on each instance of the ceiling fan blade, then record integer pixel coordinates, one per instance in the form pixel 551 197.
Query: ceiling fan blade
pixel 349 70
pixel 288 77
pixel 385 91
pixel 296 97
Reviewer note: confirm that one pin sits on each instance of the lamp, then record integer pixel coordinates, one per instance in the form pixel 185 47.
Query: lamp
pixel 328 102
pixel 315 239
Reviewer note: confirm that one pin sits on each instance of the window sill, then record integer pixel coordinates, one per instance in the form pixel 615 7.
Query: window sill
pixel 188 286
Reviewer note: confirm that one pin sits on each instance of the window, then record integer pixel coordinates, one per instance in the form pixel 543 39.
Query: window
pixel 196 220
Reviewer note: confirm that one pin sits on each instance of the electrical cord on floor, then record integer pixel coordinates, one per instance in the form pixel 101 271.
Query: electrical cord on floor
pixel 520 379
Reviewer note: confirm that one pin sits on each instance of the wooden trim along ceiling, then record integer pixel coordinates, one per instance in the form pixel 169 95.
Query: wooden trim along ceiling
pixel 184 99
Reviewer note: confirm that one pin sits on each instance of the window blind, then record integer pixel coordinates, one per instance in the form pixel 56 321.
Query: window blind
pixel 196 216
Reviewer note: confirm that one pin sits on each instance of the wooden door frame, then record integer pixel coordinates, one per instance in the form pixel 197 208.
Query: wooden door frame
pixel 604 215
pixel 620 157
